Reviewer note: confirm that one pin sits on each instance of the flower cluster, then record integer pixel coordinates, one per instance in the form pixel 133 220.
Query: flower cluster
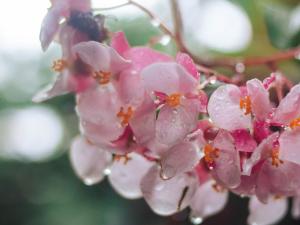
pixel 147 125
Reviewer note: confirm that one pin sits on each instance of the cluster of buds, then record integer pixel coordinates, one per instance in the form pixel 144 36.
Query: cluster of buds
pixel 147 124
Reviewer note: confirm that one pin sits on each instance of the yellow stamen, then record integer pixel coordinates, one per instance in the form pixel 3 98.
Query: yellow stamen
pixel 295 123
pixel 275 158
pixel 125 116
pixel 59 65
pixel 218 188
pixel 210 154
pixel 245 103
pixel 102 77
pixel 173 100
pixel 125 157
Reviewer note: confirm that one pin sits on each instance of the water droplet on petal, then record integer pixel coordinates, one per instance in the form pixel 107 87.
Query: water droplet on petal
pixel 155 22
pixel 240 67
pixel 107 171
pixel 159 186
pixel 196 220
pixel 89 181
pixel 212 81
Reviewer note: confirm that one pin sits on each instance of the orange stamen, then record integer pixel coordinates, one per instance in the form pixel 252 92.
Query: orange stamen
pixel 125 116
pixel 125 157
pixel 245 103
pixel 59 65
pixel 295 123
pixel 275 158
pixel 173 100
pixel 210 154
pixel 102 77
pixel 218 188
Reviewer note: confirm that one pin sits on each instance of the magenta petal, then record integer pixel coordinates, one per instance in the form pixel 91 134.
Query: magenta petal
pixel 100 57
pixel 262 152
pixel 290 146
pixel 126 178
pixel 168 78
pixel 187 62
pixel 227 166
pixel 88 161
pixel 260 103
pixel 289 107
pixel 179 159
pixel 207 201
pixel 244 142
pixel 296 208
pixel 119 42
pixel 267 214
pixel 166 197
pixel 224 109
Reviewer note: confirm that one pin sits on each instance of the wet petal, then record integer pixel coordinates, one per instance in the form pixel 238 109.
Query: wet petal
pixel 100 57
pixel 227 166
pixel 266 214
pixel 262 152
pixel 289 107
pixel 260 103
pixel 89 161
pixel 168 78
pixel 126 177
pixel 187 62
pixel 207 201
pixel 290 145
pixel 224 109
pixel 119 42
pixel 166 197
pixel 179 159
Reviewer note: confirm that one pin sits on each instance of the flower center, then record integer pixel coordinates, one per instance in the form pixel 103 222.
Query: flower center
pixel 125 158
pixel 59 65
pixel 245 104
pixel 295 123
pixel 275 157
pixel 125 116
pixel 173 100
pixel 102 77
pixel 210 154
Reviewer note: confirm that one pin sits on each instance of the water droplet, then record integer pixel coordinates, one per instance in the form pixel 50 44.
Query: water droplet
pixel 159 186
pixel 212 81
pixel 107 171
pixel 89 181
pixel 165 40
pixel 240 67
pixel 196 220
pixel 155 22
pixel 175 111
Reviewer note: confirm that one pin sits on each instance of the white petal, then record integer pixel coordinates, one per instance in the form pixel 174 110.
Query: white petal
pixel 126 178
pixel 88 161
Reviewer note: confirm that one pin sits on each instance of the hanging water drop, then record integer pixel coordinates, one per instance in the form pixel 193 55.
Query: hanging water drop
pixel 89 181
pixel 196 220
pixel 165 40
pixel 155 22
pixel 107 171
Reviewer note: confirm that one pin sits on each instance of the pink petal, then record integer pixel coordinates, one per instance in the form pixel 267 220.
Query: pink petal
pixel 247 186
pixel 173 125
pixel 207 201
pixel 187 62
pixel 227 166
pixel 224 109
pixel 119 42
pixel 97 109
pixel 143 56
pixel 289 107
pixel 89 161
pixel 262 152
pixel 80 5
pixel 179 159
pixel 168 78
pixel 100 57
pixel 290 146
pixel 296 208
pixel 260 103
pixel 166 197
pixel 243 141
pixel 126 178
pixel 267 214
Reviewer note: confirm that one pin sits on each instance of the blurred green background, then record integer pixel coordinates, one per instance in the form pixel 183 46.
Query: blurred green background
pixel 37 184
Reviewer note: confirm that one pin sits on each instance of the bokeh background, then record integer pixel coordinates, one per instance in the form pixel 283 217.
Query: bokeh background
pixel 37 184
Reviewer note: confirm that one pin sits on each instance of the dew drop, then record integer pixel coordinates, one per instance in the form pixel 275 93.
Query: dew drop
pixel 107 171
pixel 159 186
pixel 89 181
pixel 165 40
pixel 175 111
pixel 240 67
pixel 212 81
pixel 196 220
pixel 155 22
